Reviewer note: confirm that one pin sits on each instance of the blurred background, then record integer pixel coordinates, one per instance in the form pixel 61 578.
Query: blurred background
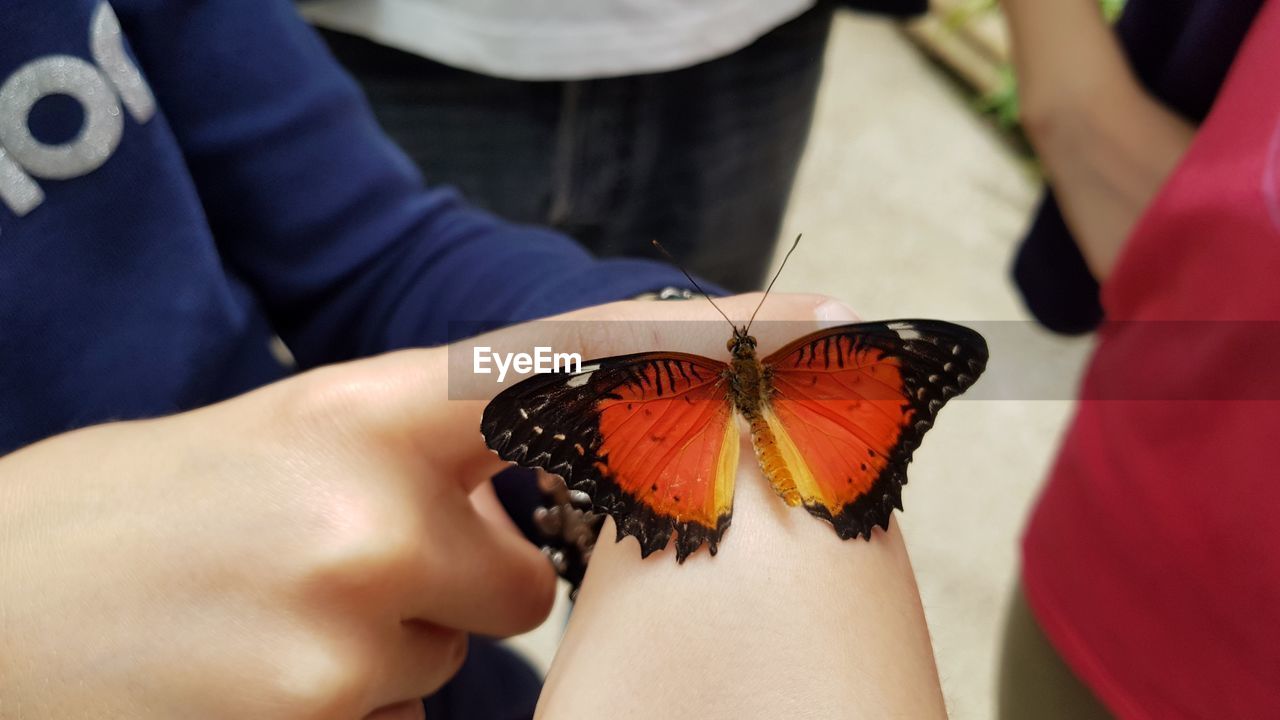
pixel 913 191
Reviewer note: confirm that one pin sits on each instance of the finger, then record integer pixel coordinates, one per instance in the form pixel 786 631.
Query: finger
pixel 397 404
pixel 421 658
pixel 476 577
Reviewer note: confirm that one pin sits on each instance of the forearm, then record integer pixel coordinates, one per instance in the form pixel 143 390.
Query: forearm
pixel 1106 144
pixel 786 621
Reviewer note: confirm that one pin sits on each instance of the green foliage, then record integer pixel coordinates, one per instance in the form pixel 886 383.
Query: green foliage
pixel 1002 104
pixel 1112 8
pixel 969 8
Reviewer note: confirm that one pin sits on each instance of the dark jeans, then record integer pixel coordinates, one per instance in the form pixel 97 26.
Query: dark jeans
pixel 701 159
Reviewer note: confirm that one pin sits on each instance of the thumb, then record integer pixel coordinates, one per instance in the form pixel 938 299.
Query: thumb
pixel 394 407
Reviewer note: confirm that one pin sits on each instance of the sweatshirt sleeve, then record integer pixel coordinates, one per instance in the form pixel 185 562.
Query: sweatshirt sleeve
pixel 320 214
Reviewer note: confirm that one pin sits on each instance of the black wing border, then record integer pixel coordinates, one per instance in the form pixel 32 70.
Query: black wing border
pixel 939 360
pixel 548 401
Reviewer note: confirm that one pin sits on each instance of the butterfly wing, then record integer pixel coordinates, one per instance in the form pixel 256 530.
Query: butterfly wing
pixel 651 438
pixel 849 406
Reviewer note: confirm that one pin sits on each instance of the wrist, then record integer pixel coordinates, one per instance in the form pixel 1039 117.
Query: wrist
pixel 803 592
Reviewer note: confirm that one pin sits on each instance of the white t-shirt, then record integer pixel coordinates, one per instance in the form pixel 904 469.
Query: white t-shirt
pixel 559 39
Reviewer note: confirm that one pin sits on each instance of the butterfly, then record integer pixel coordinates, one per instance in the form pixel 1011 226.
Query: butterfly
pixel 652 438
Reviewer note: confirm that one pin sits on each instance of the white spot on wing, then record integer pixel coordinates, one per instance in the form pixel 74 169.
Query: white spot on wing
pixel 581 378
pixel 906 331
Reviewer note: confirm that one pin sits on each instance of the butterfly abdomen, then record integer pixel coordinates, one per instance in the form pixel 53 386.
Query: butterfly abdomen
pixel 771 460
pixel 749 384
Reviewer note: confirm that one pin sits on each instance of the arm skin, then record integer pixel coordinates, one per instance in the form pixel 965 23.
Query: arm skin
pixel 1106 144
pixel 787 621
pixel 314 549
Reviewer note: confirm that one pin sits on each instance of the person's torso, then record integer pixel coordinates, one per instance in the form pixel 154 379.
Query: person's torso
pixel 1153 557
pixel 113 300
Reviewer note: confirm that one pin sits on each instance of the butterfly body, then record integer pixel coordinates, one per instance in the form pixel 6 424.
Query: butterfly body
pixel 652 438
pixel 747 378
pixel 751 385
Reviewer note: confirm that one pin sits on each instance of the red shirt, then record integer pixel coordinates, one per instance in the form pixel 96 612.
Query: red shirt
pixel 1152 559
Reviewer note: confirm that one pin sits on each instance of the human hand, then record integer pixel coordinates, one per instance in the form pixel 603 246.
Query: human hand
pixel 787 620
pixel 308 550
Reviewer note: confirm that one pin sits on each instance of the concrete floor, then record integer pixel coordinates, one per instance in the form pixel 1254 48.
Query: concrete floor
pixel 911 206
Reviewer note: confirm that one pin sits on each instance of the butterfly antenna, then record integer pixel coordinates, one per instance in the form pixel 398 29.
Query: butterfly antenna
pixel 774 280
pixel 695 282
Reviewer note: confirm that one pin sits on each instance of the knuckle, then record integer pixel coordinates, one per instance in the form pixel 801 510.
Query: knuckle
pixel 455 653
pixel 366 398
pixel 328 393
pixel 439 654
pixel 319 679
pixel 365 549
pixel 530 595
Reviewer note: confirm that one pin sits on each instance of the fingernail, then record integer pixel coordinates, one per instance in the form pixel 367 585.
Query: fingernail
pixel 835 311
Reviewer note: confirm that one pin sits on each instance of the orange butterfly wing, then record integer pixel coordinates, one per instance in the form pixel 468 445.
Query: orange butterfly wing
pixel 849 406
pixel 651 438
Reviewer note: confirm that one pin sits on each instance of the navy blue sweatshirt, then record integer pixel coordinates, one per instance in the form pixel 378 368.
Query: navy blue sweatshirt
pixel 181 180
